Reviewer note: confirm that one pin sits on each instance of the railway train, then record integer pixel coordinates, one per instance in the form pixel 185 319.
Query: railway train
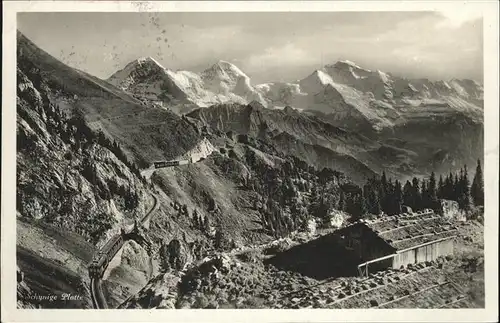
pixel 103 257
pixel 161 164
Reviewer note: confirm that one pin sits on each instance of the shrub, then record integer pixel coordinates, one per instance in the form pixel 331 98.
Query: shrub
pixel 253 302
pixel 200 301
pixel 232 154
pixel 68 155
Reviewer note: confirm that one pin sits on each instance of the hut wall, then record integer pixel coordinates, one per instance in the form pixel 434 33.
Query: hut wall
pixel 424 253
pixel 366 244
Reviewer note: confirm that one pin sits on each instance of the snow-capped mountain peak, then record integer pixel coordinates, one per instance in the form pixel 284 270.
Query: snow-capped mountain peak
pixel 136 71
pixel 315 82
pixel 342 88
pixel 223 70
pixel 149 59
pixel 349 63
pixel 222 82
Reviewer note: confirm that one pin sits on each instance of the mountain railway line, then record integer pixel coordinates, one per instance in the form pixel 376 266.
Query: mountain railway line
pixel 113 245
pixel 97 296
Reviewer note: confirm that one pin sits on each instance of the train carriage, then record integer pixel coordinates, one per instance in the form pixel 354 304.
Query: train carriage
pixel 104 256
pixel 161 164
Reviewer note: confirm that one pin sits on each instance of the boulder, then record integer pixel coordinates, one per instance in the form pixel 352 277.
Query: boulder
pixel 336 219
pixel 311 227
pixel 450 210
pixel 406 209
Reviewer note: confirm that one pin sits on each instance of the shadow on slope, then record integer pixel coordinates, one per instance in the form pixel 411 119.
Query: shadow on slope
pixel 51 281
pixel 320 259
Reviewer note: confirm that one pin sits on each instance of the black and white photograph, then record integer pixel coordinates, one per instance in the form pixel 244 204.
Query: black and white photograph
pixel 251 159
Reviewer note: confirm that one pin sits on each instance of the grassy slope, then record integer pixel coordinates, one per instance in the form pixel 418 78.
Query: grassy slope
pixel 160 134
pixel 190 183
pixel 54 262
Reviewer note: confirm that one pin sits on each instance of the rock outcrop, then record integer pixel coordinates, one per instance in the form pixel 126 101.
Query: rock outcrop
pixel 451 210
pixel 160 293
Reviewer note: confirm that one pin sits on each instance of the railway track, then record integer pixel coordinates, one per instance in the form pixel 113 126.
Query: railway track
pixel 96 294
pixel 98 300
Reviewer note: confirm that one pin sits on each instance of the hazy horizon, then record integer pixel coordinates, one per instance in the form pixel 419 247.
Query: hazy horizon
pixel 266 46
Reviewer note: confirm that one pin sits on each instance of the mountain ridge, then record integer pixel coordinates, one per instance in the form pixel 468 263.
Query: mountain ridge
pixel 371 97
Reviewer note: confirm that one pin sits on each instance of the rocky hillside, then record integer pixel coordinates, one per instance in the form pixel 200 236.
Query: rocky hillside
pixel 291 133
pixel 157 135
pixel 439 143
pixel 78 177
pixel 75 185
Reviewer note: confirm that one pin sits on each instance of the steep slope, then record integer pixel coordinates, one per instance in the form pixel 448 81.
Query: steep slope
pixel 79 146
pixel 434 138
pixel 160 134
pixel 292 133
pixel 74 188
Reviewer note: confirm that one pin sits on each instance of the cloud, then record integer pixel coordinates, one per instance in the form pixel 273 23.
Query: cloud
pixel 459 15
pixel 266 46
pixel 279 57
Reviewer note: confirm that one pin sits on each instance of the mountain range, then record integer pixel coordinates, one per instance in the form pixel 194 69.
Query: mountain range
pixel 344 91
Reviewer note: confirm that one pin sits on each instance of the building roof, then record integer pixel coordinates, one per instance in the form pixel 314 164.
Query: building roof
pixel 408 230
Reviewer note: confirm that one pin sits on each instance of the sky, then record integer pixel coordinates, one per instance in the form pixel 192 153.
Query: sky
pixel 268 47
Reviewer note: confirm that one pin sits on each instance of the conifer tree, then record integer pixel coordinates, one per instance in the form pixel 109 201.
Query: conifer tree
pixel 448 187
pixel 206 224
pixel 371 200
pixel 440 188
pixel 389 198
pixel 417 196
pixel 397 197
pixel 381 198
pixel 477 188
pixel 408 195
pixel 455 188
pixel 376 205
pixel 196 221
pixel 465 198
pixel 424 194
pixel 342 202
pixel 383 192
pixel 219 238
pixel 432 191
